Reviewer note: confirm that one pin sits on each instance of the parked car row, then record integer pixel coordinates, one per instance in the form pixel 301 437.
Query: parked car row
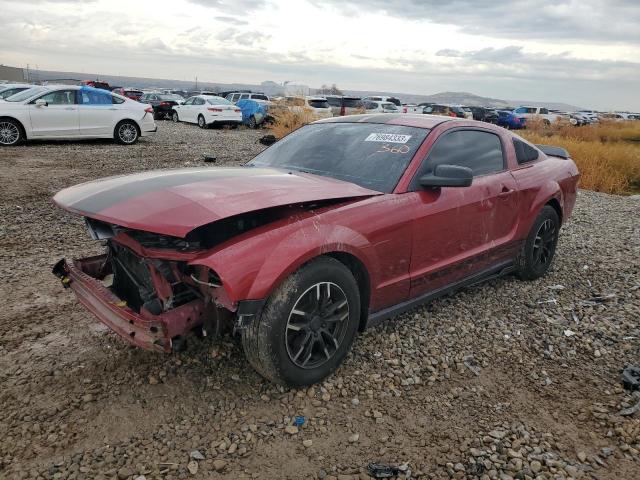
pixel 93 109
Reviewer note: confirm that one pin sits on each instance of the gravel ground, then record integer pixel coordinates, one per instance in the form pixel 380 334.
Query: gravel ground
pixel 505 380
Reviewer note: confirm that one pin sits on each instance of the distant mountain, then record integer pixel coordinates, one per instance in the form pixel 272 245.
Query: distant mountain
pixel 272 88
pixel 465 98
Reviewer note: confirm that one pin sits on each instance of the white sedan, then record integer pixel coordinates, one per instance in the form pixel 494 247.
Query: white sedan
pixel 71 112
pixel 207 110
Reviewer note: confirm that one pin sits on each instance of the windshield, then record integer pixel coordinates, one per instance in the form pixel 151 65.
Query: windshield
pixel 318 103
pixel 371 155
pixel 12 91
pixel 218 101
pixel 26 94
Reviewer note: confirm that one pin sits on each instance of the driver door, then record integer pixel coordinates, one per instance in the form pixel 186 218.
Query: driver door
pixel 461 231
pixel 58 117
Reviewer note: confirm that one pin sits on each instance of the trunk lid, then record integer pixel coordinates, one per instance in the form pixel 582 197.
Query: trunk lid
pixel 174 202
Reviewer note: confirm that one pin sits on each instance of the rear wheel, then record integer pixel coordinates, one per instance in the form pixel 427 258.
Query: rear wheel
pixel 307 326
pixel 158 116
pixel 540 246
pixel 202 123
pixel 10 133
pixel 127 132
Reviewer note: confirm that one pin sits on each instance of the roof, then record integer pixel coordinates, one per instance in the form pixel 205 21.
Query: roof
pixel 405 119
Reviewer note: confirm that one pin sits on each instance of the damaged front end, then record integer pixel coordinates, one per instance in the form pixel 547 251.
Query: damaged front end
pixel 144 288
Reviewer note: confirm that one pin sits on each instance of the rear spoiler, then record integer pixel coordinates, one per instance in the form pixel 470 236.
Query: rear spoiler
pixel 554 151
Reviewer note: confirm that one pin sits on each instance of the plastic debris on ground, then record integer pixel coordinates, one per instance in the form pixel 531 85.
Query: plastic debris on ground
pixel 631 377
pixel 381 470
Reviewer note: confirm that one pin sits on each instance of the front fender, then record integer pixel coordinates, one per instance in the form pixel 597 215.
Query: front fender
pixel 252 267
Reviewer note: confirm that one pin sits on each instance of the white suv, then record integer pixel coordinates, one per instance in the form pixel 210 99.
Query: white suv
pixel 73 112
pixel 236 96
pixel 536 112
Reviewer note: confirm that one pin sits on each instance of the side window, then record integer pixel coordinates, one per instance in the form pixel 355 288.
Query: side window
pixel 480 151
pixel 524 152
pixel 60 97
pixel 544 111
pixel 91 97
pixel 243 96
pixel 189 101
pixel 521 110
pixel 116 100
pixel 198 101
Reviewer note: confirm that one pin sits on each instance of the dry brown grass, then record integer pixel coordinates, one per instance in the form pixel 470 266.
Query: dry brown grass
pixel 607 154
pixel 286 121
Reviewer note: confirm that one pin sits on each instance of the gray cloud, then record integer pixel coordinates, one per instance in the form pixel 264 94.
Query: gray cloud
pixel 232 20
pixel 236 6
pixel 584 21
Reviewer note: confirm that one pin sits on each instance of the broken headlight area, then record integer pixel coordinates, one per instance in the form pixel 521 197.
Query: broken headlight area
pixel 151 302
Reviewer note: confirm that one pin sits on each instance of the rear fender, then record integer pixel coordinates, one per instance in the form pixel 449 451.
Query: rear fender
pixel 252 268
pixel 549 191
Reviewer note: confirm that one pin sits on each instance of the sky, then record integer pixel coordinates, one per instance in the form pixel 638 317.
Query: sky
pixel 582 52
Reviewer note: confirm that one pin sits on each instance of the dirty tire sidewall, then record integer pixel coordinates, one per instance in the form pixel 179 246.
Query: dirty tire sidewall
pixel 201 122
pixel 264 340
pixel 174 117
pixel 525 265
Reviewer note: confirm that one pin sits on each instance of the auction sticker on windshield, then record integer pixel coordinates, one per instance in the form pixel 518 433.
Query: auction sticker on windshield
pixel 387 137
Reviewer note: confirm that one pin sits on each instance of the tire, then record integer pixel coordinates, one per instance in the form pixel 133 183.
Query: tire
pixel 539 248
pixel 290 348
pixel 202 123
pixel 127 132
pixel 253 123
pixel 11 132
pixel 174 117
pixel 158 116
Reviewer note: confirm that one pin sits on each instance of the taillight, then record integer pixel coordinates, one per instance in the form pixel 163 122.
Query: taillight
pixel 149 109
pixel 342 111
pixel 211 109
pixel 164 104
pixel 404 110
pixel 237 110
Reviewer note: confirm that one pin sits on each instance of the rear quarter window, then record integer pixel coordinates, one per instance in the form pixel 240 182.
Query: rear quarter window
pixel 524 153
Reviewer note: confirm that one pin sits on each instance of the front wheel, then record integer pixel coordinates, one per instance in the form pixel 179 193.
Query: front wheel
pixel 10 133
pixel 540 246
pixel 174 117
pixel 307 326
pixel 253 123
pixel 127 132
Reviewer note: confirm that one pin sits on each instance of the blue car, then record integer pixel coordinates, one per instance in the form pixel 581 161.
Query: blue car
pixel 254 112
pixel 510 120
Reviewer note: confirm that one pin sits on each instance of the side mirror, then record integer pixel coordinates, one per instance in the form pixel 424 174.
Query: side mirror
pixel 41 103
pixel 448 176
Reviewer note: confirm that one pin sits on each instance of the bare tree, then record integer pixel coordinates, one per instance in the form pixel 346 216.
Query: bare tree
pixel 330 90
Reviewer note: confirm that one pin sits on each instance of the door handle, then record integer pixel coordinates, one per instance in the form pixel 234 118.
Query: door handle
pixel 505 192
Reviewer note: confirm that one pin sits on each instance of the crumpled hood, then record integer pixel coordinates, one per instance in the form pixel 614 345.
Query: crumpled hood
pixel 174 202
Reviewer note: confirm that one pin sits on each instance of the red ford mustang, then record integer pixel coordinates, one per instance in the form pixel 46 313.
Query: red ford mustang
pixel 341 224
